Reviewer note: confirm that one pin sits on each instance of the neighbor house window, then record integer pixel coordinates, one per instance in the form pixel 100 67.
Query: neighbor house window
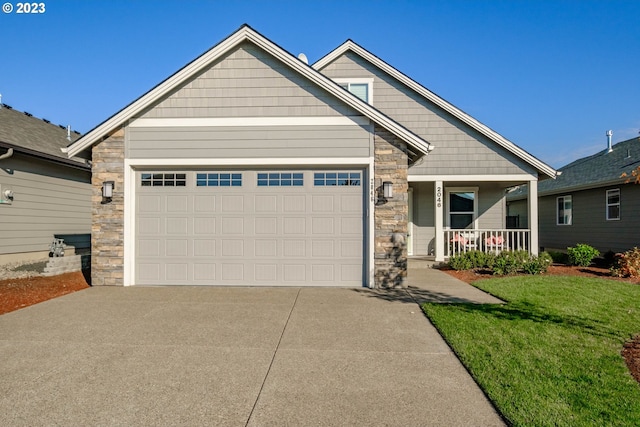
pixel 360 87
pixel 613 204
pixel 462 209
pixel 564 210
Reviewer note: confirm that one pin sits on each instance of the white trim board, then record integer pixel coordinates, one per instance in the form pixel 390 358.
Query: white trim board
pixel 249 121
pixel 460 178
pixel 294 161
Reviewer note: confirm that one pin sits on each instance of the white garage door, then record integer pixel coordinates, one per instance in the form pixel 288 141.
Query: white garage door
pixel 282 227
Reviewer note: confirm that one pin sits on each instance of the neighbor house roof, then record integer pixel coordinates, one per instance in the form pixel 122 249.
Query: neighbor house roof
pixel 350 45
pixel 598 170
pixel 245 33
pixel 24 133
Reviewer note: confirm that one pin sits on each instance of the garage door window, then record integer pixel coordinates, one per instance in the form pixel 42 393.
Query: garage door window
pixel 350 179
pixel 163 179
pixel 280 179
pixel 219 180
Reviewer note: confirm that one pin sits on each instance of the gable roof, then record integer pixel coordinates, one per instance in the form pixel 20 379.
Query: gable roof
pixel 24 133
pixel 245 33
pixel 350 45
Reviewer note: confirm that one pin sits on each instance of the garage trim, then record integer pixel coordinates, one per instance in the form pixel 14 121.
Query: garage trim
pixel 130 166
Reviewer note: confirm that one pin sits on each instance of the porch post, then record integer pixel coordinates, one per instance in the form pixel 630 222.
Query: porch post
pixel 438 191
pixel 533 216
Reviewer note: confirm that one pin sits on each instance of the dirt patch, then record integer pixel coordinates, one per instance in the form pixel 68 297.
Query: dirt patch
pixel 630 351
pixel 23 292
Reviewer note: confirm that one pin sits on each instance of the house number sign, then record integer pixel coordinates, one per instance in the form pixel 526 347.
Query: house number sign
pixel 439 197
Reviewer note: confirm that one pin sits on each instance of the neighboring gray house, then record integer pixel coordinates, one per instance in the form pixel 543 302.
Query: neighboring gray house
pixel 589 202
pixel 43 193
pixel 250 167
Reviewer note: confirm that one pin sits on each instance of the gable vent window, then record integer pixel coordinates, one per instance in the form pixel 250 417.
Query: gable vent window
pixel 280 179
pixel 362 88
pixel 326 179
pixel 219 180
pixel 613 204
pixel 163 179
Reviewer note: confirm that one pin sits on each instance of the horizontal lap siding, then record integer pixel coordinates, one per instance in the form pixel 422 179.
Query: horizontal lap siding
pixel 48 200
pixel 458 148
pixel 249 142
pixel 423 218
pixel 589 224
pixel 248 82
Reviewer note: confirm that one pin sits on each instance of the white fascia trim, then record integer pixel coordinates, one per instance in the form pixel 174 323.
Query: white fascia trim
pixel 245 33
pixel 294 161
pixel 460 178
pixel 250 121
pixel 461 115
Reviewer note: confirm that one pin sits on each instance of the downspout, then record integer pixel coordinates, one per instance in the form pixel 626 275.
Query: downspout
pixel 8 154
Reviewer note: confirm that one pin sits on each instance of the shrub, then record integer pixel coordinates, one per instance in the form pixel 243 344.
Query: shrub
pixel 537 265
pixel 460 262
pixel 582 254
pixel 627 264
pixel 506 263
pixel 559 257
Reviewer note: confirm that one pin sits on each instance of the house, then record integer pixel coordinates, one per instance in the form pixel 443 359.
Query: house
pixel 250 167
pixel 44 194
pixel 590 202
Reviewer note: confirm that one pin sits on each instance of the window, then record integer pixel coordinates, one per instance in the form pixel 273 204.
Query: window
pixel 163 179
pixel 324 179
pixel 613 204
pixel 360 87
pixel 462 209
pixel 281 179
pixel 564 208
pixel 219 180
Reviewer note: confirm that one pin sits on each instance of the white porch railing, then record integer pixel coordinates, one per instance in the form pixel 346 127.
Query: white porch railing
pixel 459 241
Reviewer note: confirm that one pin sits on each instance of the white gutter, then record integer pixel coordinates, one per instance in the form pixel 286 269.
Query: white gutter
pixel 8 154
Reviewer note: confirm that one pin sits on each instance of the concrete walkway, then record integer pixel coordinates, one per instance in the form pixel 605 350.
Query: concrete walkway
pixel 235 357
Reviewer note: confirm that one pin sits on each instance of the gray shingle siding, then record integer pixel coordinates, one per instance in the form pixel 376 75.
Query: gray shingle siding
pixel 459 149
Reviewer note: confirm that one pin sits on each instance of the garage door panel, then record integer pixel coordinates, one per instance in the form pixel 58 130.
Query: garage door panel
pixel 250 235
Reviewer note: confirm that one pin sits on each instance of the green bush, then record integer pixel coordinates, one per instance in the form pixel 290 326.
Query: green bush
pixel 460 262
pixel 582 254
pixel 506 263
pixel 559 257
pixel 627 264
pixel 537 265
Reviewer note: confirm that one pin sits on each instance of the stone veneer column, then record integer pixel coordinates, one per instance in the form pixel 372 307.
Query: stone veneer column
pixel 390 216
pixel 107 225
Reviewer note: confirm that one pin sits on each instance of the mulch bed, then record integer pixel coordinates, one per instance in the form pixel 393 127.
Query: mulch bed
pixel 631 349
pixel 19 293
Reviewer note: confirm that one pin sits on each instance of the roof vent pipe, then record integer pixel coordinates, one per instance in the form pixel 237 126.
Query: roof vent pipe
pixel 609 135
pixel 68 132
pixel 0 100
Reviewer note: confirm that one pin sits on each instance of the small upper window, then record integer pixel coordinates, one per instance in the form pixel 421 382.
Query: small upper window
pixel 360 87
pixel 564 208
pixel 280 179
pixel 163 179
pixel 219 180
pixel 613 204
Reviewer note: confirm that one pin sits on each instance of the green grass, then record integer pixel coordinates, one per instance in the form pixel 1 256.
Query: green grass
pixel 551 355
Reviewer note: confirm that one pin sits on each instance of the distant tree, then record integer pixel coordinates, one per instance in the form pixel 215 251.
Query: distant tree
pixel 635 176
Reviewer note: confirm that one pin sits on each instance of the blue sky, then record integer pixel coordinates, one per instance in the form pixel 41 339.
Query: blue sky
pixel 552 76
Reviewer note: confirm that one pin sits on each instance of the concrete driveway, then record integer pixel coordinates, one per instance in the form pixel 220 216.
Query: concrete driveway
pixel 232 356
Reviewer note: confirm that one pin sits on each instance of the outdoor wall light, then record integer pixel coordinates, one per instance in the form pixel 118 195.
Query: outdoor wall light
pixel 107 191
pixel 387 189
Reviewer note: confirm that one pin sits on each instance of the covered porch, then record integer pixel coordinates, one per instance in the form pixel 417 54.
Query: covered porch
pixel 454 214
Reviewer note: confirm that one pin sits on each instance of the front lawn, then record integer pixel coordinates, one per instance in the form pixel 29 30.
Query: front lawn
pixel 551 355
